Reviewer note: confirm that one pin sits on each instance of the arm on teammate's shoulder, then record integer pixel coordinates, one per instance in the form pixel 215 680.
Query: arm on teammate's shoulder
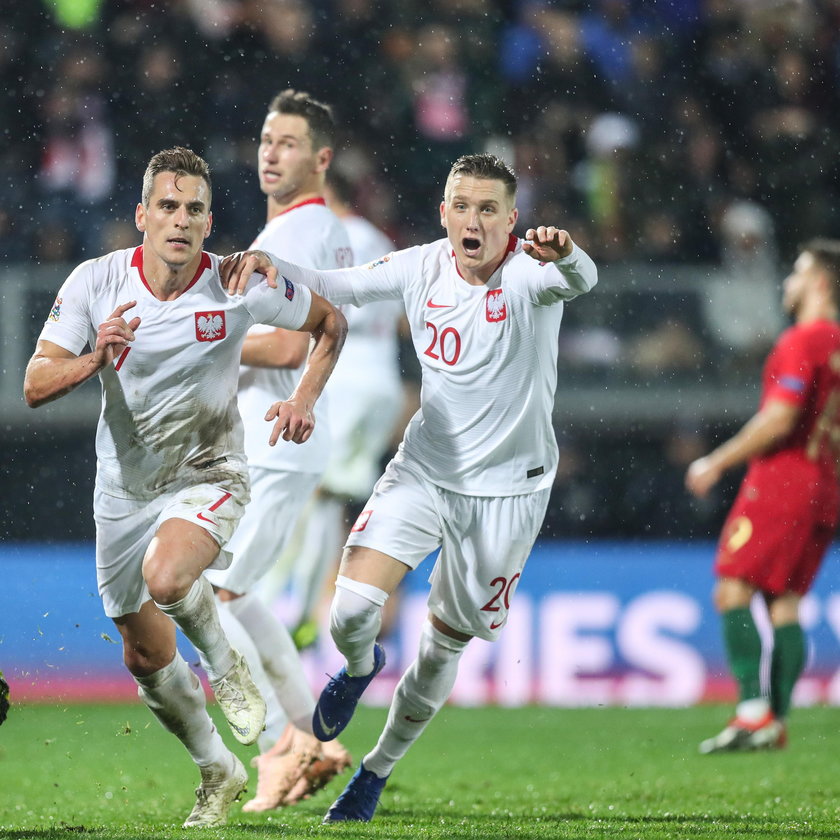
pixel 357 285
pixel 761 433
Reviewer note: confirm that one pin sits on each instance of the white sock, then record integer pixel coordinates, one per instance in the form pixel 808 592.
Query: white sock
pixel 279 659
pixel 197 617
pixel 318 554
pixel 355 619
pixel 275 717
pixel 419 696
pixel 753 710
pixel 175 697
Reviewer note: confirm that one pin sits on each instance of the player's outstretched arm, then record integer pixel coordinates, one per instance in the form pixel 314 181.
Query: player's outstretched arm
pixel 547 243
pixel 53 371
pixel 764 430
pixel 293 417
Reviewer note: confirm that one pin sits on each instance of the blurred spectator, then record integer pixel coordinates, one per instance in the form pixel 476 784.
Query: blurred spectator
pixel 77 172
pixel 742 300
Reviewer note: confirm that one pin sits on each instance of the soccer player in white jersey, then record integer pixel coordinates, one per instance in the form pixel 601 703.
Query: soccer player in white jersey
pixel 294 153
pixel 171 480
pixel 474 470
pixel 364 402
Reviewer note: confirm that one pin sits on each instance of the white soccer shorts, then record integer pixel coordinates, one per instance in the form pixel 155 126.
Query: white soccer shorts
pixel 125 527
pixel 362 420
pixel 277 500
pixel 484 542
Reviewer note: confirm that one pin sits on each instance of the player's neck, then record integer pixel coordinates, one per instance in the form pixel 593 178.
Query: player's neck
pixel 816 306
pixel 276 206
pixel 167 282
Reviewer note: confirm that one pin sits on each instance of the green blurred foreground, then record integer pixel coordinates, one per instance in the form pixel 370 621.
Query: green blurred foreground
pixel 112 772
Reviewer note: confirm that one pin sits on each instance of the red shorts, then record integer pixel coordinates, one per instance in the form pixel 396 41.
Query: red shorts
pixel 777 532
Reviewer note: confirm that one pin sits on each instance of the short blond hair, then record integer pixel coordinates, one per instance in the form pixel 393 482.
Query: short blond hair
pixel 483 166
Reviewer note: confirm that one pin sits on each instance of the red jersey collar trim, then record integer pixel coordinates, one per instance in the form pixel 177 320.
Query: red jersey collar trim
pixel 137 262
pixel 511 247
pixel 322 201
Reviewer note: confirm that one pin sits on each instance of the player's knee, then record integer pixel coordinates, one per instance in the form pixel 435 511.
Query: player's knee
pixel 356 609
pixel 437 649
pixel 142 660
pixel 732 594
pixel 165 584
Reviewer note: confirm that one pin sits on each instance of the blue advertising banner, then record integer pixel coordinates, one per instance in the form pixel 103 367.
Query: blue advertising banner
pixel 599 623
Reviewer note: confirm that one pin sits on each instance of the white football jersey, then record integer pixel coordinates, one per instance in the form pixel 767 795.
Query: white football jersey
pixel 371 349
pixel 169 416
pixel 308 234
pixel 488 356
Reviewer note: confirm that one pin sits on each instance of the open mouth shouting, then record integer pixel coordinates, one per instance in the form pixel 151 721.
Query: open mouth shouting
pixel 471 246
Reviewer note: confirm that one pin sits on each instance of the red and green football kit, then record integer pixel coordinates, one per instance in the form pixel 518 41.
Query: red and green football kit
pixel 786 511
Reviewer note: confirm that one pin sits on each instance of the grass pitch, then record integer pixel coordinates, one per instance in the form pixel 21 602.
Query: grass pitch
pixel 535 773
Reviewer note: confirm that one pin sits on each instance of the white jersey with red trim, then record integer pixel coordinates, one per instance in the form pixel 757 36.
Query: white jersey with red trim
pixel 308 234
pixel 488 356
pixel 169 416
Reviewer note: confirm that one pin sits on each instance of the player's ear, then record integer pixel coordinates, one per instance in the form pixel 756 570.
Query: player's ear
pixel 323 158
pixel 208 226
pixel 140 218
pixel 443 214
pixel 512 217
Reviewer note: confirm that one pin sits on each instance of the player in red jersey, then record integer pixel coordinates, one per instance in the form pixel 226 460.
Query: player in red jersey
pixel 786 511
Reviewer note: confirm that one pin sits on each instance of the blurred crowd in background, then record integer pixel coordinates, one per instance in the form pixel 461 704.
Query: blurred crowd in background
pixel 666 134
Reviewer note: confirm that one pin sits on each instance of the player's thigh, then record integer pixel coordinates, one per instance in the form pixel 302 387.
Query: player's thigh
pixel 809 558
pixel 401 519
pixel 770 542
pixel 278 498
pixel 124 529
pixel 486 542
pixel 193 525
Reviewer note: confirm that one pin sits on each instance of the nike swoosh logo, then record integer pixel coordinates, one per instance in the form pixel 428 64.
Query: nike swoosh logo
pixel 244 731
pixel 414 720
pixel 205 519
pixel 438 305
pixel 328 730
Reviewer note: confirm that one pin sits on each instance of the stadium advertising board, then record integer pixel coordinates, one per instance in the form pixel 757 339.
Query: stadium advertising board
pixel 604 623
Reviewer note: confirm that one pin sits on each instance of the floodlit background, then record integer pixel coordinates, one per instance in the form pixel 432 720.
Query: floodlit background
pixel 688 145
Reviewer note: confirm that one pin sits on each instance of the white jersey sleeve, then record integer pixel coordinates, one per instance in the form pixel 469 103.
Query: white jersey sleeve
pixel 69 322
pixel 575 275
pixel 287 307
pixel 383 279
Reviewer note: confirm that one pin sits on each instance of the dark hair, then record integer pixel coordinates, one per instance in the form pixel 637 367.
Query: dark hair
pixel 826 252
pixel 484 166
pixel 179 160
pixel 318 116
pixel 343 188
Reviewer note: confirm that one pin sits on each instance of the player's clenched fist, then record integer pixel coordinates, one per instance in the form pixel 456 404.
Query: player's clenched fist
pixel 292 422
pixel 115 333
pixel 547 243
